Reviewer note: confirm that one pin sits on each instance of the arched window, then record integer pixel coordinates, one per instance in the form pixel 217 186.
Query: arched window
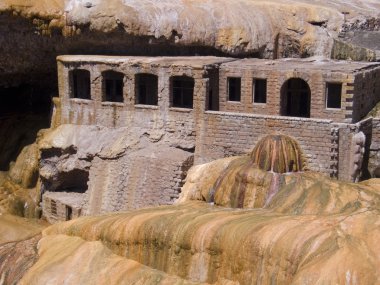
pixel 182 91
pixel 146 89
pixel 80 86
pixel 295 98
pixel 113 85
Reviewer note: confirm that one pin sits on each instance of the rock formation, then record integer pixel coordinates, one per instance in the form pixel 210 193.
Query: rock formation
pixel 240 220
pixel 309 230
pixel 37 31
pixel 301 244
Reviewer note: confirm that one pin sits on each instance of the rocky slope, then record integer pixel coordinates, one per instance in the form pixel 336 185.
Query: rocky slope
pixel 313 231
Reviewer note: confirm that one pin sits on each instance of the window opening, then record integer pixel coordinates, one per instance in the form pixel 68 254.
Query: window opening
pixel 146 89
pixel 260 91
pixel 234 88
pixel 80 84
pixel 113 86
pixel 333 95
pixel 182 91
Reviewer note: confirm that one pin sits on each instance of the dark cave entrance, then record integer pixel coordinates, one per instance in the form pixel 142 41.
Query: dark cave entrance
pixel 295 98
pixel 24 110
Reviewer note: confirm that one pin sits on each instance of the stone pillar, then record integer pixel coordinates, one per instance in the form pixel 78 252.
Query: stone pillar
pixel 199 114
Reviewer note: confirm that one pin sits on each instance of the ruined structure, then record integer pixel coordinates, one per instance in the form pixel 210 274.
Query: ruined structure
pixel 145 120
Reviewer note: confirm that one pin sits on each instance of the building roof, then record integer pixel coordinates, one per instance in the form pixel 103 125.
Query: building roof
pixel 184 61
pixel 308 64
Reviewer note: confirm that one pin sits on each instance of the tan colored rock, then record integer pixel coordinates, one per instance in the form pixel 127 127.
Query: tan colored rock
pixel 205 243
pixel 232 182
pixel 236 27
pixel 25 170
pixel 72 260
pixel 15 228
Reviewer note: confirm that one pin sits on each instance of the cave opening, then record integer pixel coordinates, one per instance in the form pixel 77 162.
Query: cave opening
pixel 73 181
pixel 24 110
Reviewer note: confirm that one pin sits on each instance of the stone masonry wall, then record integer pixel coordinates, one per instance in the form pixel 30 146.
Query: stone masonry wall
pixel 226 134
pixel 366 93
pixel 55 206
pixel 275 80
pixel 177 123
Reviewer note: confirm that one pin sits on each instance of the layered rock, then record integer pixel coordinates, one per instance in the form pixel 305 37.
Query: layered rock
pixel 205 243
pixel 310 230
pixel 35 32
pixel 110 169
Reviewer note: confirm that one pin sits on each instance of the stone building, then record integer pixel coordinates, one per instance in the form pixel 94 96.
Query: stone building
pixel 197 109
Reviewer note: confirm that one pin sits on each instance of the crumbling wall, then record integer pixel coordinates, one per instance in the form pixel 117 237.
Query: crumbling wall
pixel 127 169
pixel 150 176
pixel 61 206
pixel 366 93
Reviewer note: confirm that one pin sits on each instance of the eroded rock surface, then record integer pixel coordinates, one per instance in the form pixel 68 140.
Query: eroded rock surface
pixel 236 182
pixel 205 243
pixel 113 169
pixel 311 230
pixel 75 261
pixel 18 246
pixel 35 32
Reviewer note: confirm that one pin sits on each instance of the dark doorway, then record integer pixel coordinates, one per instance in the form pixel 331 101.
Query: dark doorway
pixel 69 213
pixel 113 86
pixel 295 98
pixel 146 89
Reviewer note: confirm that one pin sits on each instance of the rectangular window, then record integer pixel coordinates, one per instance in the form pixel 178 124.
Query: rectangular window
pixel 182 91
pixel 113 86
pixel 234 88
pixel 333 95
pixel 80 84
pixel 260 91
pixel 146 89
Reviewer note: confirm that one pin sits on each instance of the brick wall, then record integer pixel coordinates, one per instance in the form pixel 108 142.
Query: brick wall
pixel 366 93
pixel 275 81
pixel 55 206
pixel 225 134
pixel 177 124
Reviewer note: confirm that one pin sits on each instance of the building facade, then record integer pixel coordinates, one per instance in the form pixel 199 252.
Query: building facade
pixel 213 107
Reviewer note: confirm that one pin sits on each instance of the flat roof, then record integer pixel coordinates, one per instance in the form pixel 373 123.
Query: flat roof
pixel 291 64
pixel 286 64
pixel 163 61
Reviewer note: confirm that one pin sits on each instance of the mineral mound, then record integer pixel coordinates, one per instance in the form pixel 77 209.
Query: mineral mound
pixel 303 228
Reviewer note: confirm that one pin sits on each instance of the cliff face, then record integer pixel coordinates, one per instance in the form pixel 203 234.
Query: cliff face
pixel 33 33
